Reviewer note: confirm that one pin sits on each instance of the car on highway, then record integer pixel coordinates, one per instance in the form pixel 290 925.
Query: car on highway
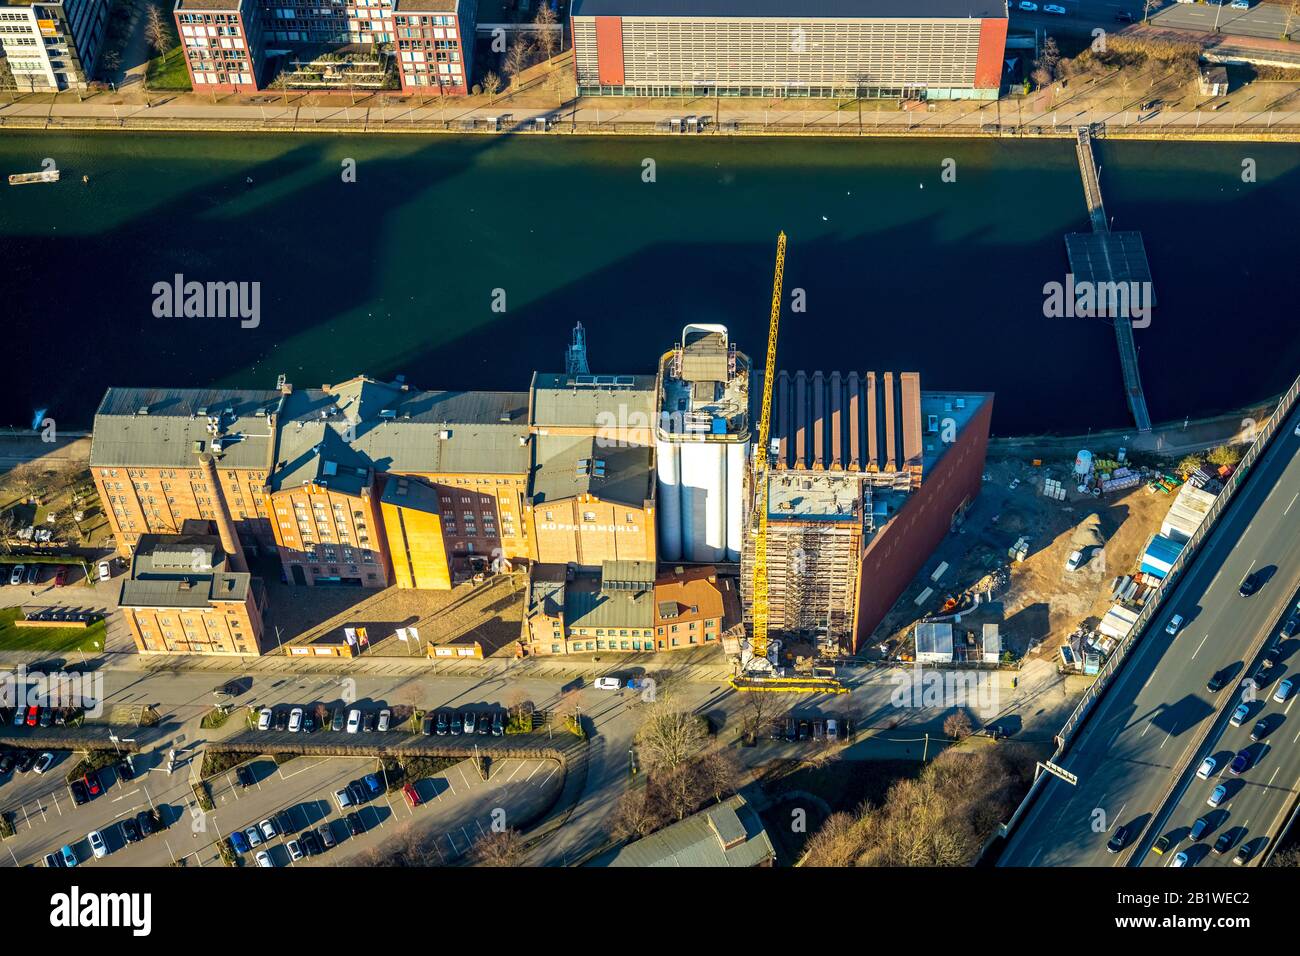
pixel 69 858
pixel 239 842
pixel 295 720
pixel 1054 8
pixel 1206 769
pixel 1260 730
pixel 608 683
pixel 354 720
pixel 1218 796
pixel 1161 845
pixel 78 791
pixel 254 837
pixel 1239 715
pixel 426 725
pixel 1244 854
pixel 97 844
pixel 1028 6
pixel 327 838
pixel 295 850
pixel 385 718
pixel 1199 828
pixel 130 832
pixel 1180 859
pixel 1218 680
pixel 1240 763
pixel 355 826
pixel 442 724
pixel 467 721
pixel 264 719
pixel 1118 840
pixel 1175 623
pixel 16 576
pixel 264 859
pixel 91 779
pixel 368 721
pixel 1283 691
pixel 1249 584
pixel 1225 841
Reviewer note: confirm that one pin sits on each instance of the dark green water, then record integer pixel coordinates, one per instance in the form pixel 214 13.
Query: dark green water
pixel 396 272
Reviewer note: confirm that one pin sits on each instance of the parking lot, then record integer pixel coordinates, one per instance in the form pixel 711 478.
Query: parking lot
pixel 456 805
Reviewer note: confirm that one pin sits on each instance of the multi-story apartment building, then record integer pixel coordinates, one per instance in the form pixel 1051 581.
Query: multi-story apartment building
pixel 55 45
pixel 243 45
pixel 943 49
pixel 184 595
pixel 223 43
pixel 146 457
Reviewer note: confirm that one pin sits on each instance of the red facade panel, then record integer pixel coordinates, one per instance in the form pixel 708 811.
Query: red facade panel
pixel 609 50
pixel 993 46
pixel 902 547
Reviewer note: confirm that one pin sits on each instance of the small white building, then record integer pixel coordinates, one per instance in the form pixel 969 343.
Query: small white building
pixel 1119 620
pixel 992 644
pixel 934 642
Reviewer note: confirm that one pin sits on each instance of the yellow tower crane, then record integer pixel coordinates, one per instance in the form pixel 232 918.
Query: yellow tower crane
pixel 758 670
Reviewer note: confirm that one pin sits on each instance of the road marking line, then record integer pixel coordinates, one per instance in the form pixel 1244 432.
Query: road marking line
pixel 1288 507
pixel 1194 653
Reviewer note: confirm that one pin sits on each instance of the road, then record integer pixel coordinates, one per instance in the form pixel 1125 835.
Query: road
pixel 1149 723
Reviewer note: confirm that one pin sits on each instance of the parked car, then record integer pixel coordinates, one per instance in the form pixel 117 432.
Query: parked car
pixel 354 720
pixel 53 861
pixel 91 780
pixel 264 718
pixel 327 839
pixel 78 791
pixel 105 571
pixel 20 716
pixel 373 784
pixel 1291 625
pixel 832 728
pixel 1217 797
pixel 804 729
pixel 130 832
pixel 282 720
pixel 47 718
pixel 264 859
pixel 1054 8
pixel 1175 624
pixel 385 717
pixel 27 761
pixel 608 683
pixel 498 724
pixel 343 798
pixel 148 821
pixel 16 576
pixel 1118 839
pixel 310 843
pixel 467 721
pixel 295 720
pixel 357 791
pixel 457 724
pixel 44 762
pixel 1240 4
pixel 1028 6
pixel 125 768
pixel 7 761
pixel 1199 828
pixel 1283 690
pixel 97 844
pixel 412 795
pixel 1239 715
pixel 69 858
pixel 295 851
pixel 60 575
pixel 254 836
pixel 33 715
pixel 244 774
pixel 442 724
pixel 33 573
pixel 368 721
pixel 426 725
pixel 355 826
pixel 484 723
pixel 239 842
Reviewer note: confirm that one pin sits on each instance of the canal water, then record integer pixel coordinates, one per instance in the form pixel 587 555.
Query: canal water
pixel 405 267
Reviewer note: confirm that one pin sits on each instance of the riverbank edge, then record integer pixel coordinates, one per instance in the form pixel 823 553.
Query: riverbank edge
pixel 65 124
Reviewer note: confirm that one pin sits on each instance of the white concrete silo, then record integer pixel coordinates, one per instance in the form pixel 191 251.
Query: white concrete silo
pixel 669 500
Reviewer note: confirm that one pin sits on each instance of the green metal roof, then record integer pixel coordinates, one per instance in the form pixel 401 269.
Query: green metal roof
pixel 729 834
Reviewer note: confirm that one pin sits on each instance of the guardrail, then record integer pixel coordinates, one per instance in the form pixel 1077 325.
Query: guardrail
pixel 1156 601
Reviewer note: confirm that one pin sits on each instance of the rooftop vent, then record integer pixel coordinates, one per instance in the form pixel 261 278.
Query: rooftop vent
pixel 142 410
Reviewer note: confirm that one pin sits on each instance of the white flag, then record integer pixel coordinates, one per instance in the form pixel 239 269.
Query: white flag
pixel 415 634
pixel 401 634
pixel 350 635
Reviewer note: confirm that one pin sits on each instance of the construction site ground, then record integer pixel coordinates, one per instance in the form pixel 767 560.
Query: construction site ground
pixel 1037 603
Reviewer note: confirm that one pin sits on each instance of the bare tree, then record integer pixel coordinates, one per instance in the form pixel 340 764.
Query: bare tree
pixel 548 40
pixel 518 56
pixel 668 736
pixel 719 773
pixel 638 814
pixel 491 83
pixel 498 848
pixel 836 844
pixel 958 725
pixel 155 30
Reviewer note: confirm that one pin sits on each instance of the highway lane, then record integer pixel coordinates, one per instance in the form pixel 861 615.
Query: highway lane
pixel 1158 709
pixel 1259 799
